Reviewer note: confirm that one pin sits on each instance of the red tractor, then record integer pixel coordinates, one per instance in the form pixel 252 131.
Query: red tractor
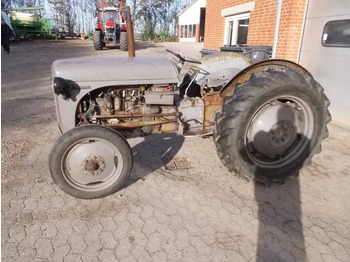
pixel 110 27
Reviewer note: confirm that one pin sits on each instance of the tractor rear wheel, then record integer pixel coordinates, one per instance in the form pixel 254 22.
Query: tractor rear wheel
pixel 90 161
pixel 98 40
pixel 272 124
pixel 123 41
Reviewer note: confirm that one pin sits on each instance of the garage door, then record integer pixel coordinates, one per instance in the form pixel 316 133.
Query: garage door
pixel 325 52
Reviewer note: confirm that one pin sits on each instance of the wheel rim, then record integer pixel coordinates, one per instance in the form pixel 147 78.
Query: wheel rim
pixel 279 132
pixel 92 164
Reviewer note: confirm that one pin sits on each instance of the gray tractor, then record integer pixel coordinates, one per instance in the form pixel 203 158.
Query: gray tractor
pixel 267 119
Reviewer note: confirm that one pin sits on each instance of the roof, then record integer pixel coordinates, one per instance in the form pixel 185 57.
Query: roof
pixel 187 7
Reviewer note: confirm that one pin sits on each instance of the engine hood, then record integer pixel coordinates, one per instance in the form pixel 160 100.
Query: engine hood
pixel 118 70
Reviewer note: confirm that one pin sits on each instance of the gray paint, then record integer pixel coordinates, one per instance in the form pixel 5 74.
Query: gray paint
pixel 65 109
pixel 91 74
pixel 192 111
pixel 329 65
pixel 118 70
pixel 219 62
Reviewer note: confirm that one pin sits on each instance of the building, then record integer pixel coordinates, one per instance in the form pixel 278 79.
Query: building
pixel 253 22
pixel 192 22
pixel 313 33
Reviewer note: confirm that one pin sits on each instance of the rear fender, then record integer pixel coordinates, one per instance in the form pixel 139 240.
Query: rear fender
pixel 246 73
pixel 219 77
pixel 225 62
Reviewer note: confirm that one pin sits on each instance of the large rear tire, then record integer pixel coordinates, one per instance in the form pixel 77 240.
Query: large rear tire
pixel 90 161
pixel 272 124
pixel 123 41
pixel 98 40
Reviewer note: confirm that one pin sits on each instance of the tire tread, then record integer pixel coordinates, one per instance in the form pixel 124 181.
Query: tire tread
pixel 234 106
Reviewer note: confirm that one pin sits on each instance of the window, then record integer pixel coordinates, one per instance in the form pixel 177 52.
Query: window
pixel 236 29
pixel 188 31
pixel 336 33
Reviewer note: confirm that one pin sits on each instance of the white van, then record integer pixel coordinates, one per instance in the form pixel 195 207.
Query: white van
pixel 325 52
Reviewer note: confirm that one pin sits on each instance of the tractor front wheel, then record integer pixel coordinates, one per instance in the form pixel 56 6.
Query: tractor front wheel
pixel 98 40
pixel 272 124
pixel 90 161
pixel 123 41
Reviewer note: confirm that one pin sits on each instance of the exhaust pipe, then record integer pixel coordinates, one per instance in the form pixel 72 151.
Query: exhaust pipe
pixel 130 33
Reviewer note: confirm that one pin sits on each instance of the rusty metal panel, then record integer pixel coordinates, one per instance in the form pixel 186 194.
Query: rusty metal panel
pixel 134 124
pixel 212 103
pixel 258 68
pixel 120 115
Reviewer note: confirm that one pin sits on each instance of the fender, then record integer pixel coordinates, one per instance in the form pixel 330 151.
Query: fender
pixel 246 73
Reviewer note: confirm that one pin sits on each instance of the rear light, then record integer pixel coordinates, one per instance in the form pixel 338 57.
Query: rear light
pixel 123 26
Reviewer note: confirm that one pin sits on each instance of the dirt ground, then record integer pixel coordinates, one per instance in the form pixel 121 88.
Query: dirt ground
pixel 200 213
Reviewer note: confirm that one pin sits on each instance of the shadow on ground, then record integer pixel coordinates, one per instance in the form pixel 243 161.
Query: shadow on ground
pixel 279 206
pixel 143 45
pixel 153 153
pixel 280 222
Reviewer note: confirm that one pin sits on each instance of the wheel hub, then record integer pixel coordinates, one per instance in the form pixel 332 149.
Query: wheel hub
pixel 93 165
pixel 281 133
pixel 273 129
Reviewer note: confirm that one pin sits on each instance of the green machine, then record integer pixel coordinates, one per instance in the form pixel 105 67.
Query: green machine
pixel 27 25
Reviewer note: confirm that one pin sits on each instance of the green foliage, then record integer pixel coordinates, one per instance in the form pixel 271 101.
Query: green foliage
pixel 165 38
pixel 157 19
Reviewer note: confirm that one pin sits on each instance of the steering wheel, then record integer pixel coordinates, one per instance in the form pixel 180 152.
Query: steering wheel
pixel 183 58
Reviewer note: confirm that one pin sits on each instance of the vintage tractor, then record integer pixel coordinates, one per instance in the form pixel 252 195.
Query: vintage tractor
pixel 110 28
pixel 267 119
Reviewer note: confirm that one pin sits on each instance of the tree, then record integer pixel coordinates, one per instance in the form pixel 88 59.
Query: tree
pixel 26 3
pixel 156 19
pixel 5 4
